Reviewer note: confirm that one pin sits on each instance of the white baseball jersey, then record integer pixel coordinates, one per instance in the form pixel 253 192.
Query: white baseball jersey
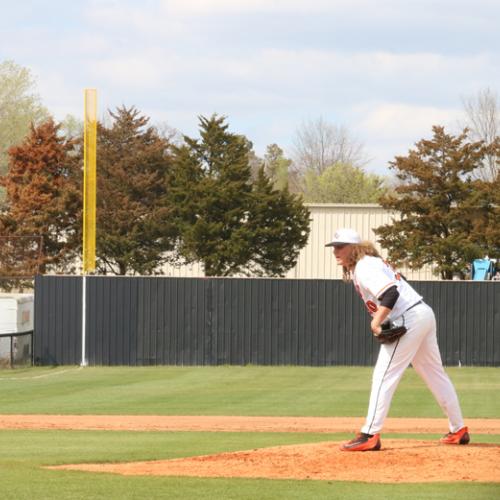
pixel 373 276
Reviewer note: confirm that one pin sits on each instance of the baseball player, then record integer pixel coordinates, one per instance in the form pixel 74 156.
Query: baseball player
pixel 389 297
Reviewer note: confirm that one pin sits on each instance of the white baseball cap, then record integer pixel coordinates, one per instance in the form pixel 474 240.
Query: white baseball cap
pixel 344 237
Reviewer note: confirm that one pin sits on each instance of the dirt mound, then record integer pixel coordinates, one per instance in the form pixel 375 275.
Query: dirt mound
pixel 399 461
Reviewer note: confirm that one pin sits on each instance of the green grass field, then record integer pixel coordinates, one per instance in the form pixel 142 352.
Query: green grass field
pixel 278 391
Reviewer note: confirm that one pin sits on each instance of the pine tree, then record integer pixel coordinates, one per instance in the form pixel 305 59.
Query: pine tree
pixel 279 223
pixel 438 205
pixel 224 221
pixel 484 209
pixel 133 230
pixel 42 200
pixel 492 189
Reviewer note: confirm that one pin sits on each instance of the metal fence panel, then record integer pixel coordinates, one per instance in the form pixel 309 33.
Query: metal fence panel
pixel 58 318
pixel 468 320
pixel 238 321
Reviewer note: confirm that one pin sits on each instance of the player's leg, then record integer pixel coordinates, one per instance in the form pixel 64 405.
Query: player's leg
pixel 428 364
pixel 387 373
pixel 393 359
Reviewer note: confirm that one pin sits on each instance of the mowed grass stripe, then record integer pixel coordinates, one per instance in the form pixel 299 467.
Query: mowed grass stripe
pixel 252 390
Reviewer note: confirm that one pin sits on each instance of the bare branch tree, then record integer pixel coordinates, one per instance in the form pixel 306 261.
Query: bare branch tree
pixel 319 144
pixel 169 133
pixel 483 120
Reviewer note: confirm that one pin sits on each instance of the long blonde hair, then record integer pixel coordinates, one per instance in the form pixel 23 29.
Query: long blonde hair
pixel 356 253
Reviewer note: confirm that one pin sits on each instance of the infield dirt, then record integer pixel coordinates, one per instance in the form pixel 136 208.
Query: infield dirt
pixel 400 460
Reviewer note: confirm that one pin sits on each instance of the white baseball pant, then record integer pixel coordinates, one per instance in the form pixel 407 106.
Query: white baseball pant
pixel 420 348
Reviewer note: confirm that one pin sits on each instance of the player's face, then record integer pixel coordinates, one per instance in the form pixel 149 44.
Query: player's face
pixel 341 253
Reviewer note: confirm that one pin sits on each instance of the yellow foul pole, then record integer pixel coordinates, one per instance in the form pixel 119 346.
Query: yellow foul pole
pixel 89 201
pixel 89 179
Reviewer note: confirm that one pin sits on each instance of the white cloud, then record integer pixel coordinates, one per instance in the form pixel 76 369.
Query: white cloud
pixel 392 129
pixel 201 7
pixel 133 71
pixel 398 120
pixel 133 23
pixel 388 70
pixel 59 96
pixel 357 9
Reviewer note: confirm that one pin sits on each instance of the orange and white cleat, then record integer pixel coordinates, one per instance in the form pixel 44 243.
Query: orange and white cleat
pixel 362 442
pixel 459 437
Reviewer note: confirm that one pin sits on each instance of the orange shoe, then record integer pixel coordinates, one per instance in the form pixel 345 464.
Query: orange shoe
pixel 459 437
pixel 362 442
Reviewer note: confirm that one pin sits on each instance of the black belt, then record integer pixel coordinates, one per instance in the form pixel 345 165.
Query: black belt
pixel 414 305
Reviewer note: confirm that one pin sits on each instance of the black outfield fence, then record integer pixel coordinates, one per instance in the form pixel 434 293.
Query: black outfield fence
pixel 214 321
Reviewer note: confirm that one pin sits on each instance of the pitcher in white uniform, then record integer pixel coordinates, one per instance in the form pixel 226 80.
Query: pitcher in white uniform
pixel 387 296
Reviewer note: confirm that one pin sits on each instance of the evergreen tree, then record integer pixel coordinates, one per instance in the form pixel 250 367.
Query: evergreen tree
pixel 279 224
pixel 493 227
pixel 484 209
pixel 438 205
pixel 42 200
pixel 133 230
pixel 224 220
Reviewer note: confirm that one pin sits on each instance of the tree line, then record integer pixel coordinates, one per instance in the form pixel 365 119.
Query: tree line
pixel 163 196
pixel 157 201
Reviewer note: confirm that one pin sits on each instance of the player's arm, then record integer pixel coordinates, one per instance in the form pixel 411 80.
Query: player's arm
pixel 387 300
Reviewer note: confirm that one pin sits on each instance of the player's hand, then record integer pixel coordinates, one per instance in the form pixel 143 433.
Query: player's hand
pixel 376 328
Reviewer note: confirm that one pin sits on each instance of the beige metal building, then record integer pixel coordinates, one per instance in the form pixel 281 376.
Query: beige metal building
pixel 316 261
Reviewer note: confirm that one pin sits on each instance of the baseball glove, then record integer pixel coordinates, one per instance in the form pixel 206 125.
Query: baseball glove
pixel 390 333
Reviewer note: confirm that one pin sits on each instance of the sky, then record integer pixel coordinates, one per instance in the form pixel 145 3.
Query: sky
pixel 386 70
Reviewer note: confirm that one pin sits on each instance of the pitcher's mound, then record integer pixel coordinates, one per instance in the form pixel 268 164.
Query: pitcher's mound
pixel 399 461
